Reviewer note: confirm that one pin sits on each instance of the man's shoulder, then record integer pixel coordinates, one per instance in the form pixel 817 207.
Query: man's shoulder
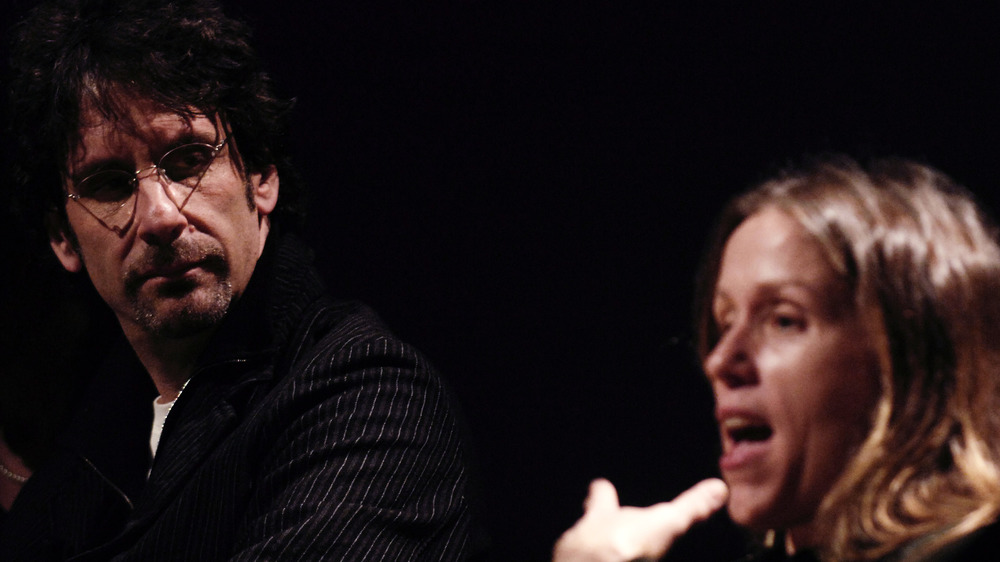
pixel 347 320
pixel 351 333
pixel 301 309
pixel 325 345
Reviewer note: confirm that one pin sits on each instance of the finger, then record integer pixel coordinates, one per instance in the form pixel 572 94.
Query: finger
pixel 601 497
pixel 672 519
pixel 696 504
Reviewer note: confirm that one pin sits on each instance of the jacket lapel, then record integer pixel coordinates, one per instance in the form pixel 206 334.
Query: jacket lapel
pixel 237 368
pixel 113 434
pixel 217 402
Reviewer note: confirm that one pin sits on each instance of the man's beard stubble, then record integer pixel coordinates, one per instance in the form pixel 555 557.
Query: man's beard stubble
pixel 201 306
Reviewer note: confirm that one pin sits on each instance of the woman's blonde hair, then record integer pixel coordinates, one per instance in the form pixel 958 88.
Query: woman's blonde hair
pixel 924 266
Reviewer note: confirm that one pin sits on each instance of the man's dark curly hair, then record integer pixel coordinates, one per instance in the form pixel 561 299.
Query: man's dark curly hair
pixel 184 55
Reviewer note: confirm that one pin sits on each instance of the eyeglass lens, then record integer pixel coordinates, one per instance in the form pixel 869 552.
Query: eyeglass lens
pixel 108 192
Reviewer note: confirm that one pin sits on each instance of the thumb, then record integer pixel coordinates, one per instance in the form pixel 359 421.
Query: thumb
pixel 602 497
pixel 695 504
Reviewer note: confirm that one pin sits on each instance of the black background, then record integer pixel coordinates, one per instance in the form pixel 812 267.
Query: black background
pixel 522 189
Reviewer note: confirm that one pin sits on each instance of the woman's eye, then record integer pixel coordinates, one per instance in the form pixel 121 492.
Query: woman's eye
pixel 788 321
pixel 722 326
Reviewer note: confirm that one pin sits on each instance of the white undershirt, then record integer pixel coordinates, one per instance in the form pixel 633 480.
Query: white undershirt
pixel 159 416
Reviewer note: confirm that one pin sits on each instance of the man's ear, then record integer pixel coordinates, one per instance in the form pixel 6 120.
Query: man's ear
pixel 265 190
pixel 63 243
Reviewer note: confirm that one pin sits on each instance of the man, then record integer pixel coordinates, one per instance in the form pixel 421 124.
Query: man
pixel 249 417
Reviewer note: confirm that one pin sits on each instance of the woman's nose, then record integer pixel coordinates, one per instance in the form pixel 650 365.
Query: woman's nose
pixel 730 362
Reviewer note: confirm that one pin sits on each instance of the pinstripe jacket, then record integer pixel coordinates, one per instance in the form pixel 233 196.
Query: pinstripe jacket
pixel 308 432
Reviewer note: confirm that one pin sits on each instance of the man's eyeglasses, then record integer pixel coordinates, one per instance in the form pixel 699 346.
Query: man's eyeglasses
pixel 110 195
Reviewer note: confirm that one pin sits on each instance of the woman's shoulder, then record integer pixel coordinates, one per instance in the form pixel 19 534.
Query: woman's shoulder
pixel 982 544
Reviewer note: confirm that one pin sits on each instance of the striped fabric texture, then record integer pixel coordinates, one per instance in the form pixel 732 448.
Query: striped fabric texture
pixel 309 432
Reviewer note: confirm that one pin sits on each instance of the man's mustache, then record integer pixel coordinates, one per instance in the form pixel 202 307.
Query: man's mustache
pixel 159 260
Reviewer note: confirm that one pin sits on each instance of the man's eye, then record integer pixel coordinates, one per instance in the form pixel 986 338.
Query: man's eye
pixel 187 162
pixel 107 186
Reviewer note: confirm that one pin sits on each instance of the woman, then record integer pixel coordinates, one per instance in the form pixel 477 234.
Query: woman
pixel 849 324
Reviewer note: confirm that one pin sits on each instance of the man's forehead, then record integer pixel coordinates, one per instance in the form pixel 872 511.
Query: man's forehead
pixel 139 125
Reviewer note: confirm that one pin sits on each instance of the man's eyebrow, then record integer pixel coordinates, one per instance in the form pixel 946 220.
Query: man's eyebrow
pixel 188 136
pixel 182 137
pixel 79 173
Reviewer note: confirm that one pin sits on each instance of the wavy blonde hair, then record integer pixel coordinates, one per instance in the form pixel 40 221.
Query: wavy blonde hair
pixel 924 265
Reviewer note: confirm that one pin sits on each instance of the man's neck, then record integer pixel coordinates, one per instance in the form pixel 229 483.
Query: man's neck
pixel 170 362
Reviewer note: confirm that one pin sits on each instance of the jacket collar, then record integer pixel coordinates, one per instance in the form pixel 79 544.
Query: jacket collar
pixel 113 433
pixel 261 321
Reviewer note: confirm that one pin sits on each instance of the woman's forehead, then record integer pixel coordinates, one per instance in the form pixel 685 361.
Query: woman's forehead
pixel 772 249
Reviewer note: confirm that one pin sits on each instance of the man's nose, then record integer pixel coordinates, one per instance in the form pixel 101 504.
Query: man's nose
pixel 159 219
